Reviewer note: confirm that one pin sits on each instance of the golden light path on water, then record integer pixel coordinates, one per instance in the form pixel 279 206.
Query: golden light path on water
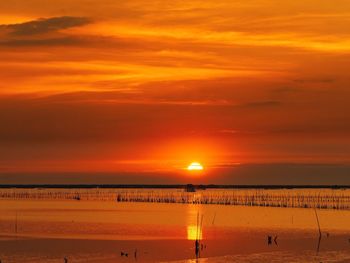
pixel 192 232
pixel 194 218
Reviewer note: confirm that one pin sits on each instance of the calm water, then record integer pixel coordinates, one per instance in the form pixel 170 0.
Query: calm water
pixel 97 231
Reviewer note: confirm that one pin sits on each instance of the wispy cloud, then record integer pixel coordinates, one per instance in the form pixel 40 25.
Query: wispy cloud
pixel 44 25
pixel 42 32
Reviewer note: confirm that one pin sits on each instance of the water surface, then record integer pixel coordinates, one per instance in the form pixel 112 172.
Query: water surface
pixel 97 231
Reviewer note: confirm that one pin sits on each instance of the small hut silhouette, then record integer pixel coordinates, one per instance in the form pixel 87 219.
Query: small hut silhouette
pixel 190 188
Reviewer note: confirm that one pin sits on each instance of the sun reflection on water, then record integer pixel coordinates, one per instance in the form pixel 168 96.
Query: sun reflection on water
pixel 193 233
pixel 193 225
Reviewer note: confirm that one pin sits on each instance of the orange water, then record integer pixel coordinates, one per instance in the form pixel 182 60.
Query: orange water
pixel 96 231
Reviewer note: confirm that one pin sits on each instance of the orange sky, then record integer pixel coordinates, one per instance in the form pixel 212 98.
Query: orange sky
pixel 121 87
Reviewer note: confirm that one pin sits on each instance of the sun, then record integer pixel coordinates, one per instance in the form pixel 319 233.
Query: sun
pixel 195 166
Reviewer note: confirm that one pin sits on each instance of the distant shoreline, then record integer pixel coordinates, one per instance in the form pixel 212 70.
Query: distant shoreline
pixel 173 186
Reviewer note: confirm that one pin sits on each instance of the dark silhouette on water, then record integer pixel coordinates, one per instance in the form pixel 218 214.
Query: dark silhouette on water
pixel 197 251
pixel 65 260
pixel 269 240
pixel 196 243
pixel 124 254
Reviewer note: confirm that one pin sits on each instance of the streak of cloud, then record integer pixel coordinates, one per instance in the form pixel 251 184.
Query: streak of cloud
pixel 44 25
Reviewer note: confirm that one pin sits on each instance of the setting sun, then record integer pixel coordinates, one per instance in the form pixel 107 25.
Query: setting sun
pixel 195 167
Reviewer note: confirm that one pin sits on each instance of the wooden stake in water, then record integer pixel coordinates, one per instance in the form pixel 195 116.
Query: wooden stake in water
pixel 196 244
pixel 201 227
pixel 214 219
pixel 319 232
pixel 197 230
pixel 318 223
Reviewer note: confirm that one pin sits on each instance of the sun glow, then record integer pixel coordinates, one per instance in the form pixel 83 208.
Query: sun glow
pixel 195 167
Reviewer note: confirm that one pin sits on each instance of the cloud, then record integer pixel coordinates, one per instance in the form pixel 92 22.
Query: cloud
pixel 42 32
pixel 45 25
pixel 315 80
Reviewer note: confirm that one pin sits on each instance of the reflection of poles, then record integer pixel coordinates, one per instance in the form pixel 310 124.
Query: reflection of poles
pixel 319 233
pixel 196 244
pixel 318 245
pixel 198 236
pixel 197 248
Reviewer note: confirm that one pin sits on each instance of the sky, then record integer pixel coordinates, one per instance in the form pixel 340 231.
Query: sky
pixel 109 91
